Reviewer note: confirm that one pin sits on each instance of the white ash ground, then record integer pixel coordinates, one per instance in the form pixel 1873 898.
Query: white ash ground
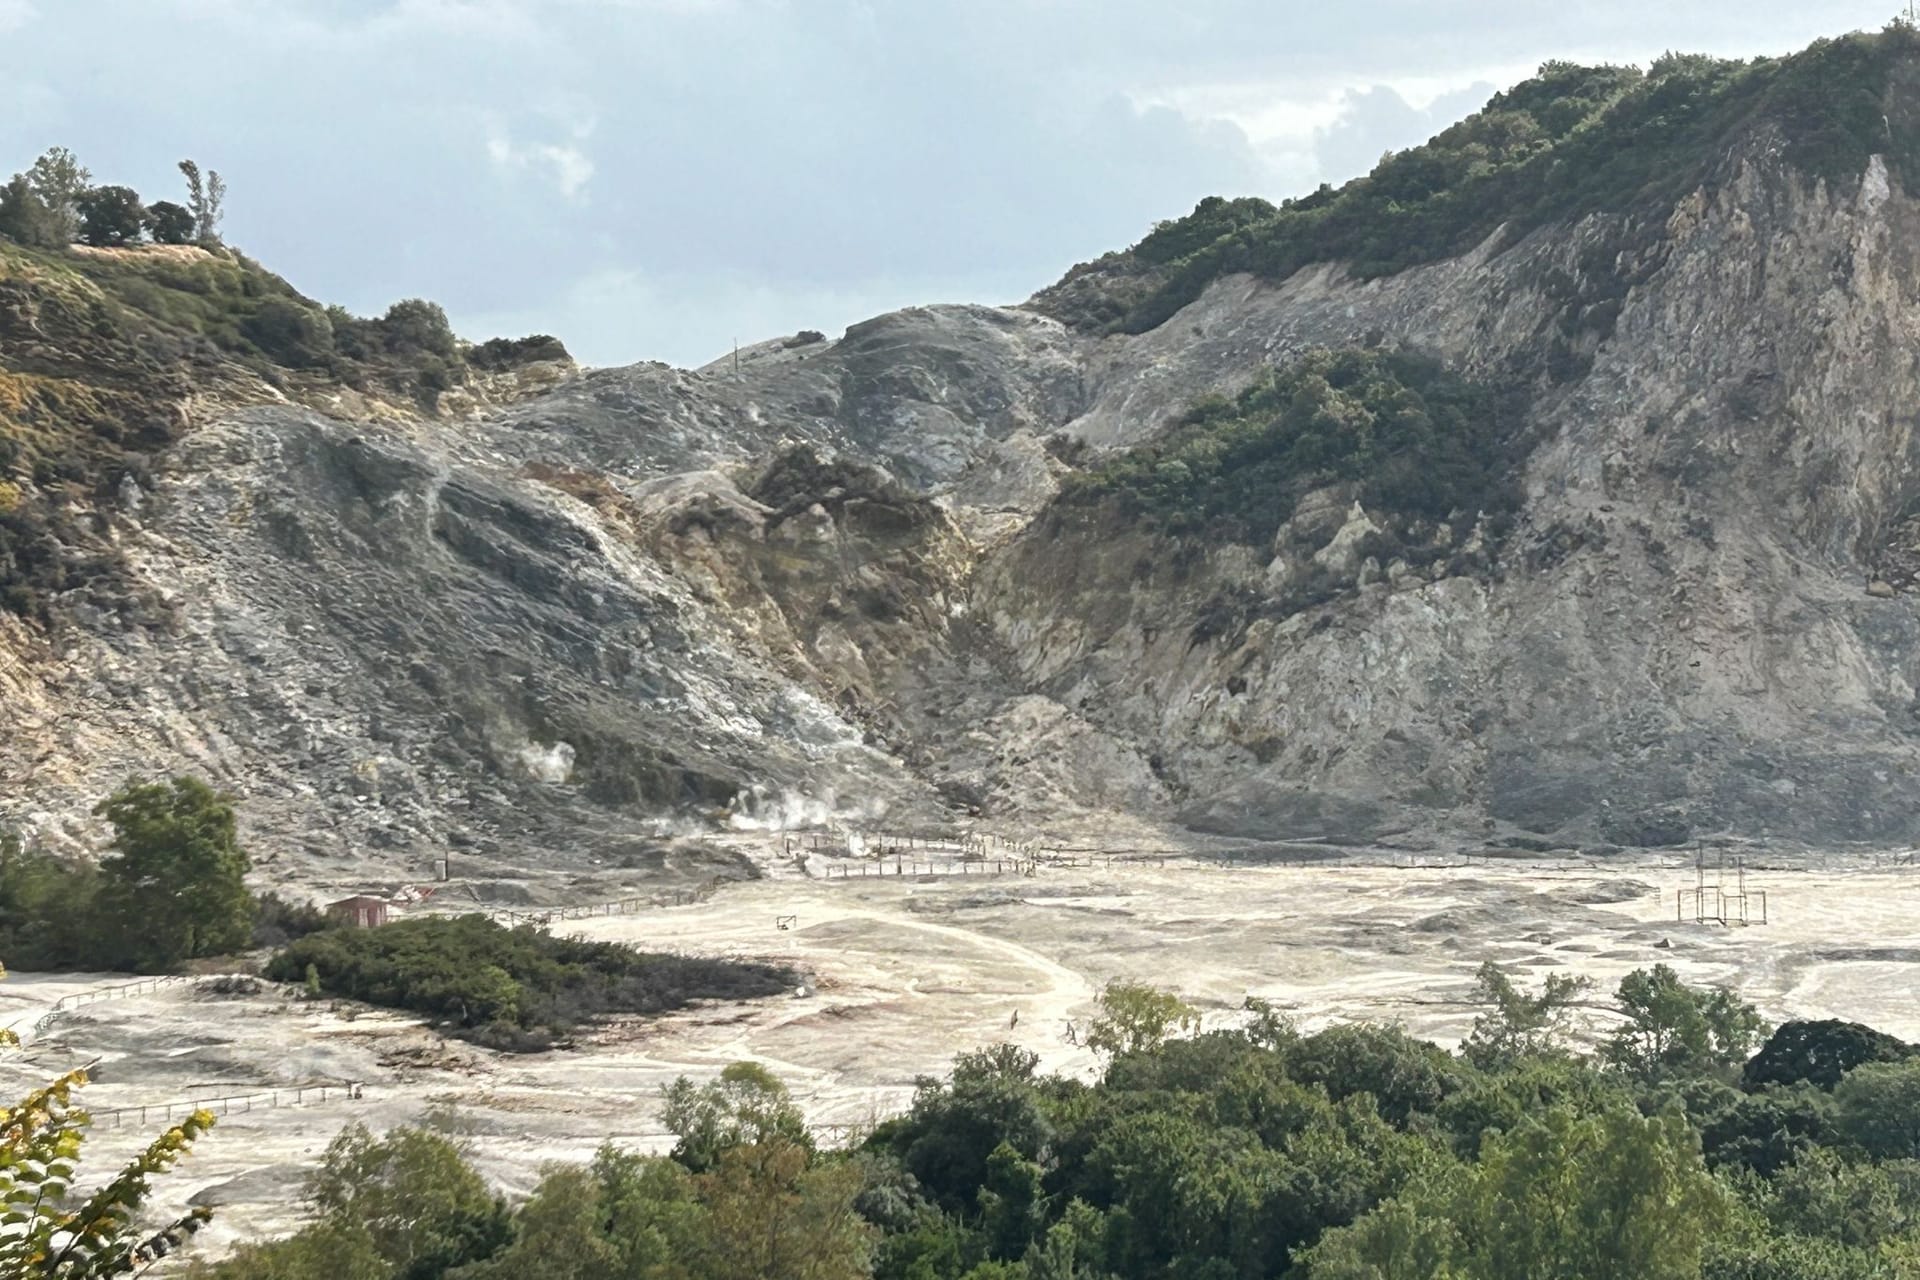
pixel 908 973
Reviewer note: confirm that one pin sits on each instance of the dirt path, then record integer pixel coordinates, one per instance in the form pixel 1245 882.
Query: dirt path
pixel 1067 991
pixel 897 995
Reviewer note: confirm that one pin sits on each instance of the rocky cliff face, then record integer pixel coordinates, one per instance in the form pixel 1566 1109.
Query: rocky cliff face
pixel 833 580
pixel 1691 629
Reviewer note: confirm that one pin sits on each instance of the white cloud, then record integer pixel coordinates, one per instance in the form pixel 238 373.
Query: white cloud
pixel 1423 92
pixel 708 169
pixel 1267 113
pixel 571 168
pixel 563 164
pixel 1308 130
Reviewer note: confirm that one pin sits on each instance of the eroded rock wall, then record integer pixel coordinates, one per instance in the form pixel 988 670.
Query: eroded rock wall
pixel 1686 633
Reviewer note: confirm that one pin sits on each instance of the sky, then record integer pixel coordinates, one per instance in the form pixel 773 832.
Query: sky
pixel 657 179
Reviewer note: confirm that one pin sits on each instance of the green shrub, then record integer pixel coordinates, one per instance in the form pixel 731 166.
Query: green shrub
pixel 417 327
pixel 46 910
pixel 511 988
pixel 1420 443
pixel 276 921
pixel 291 333
pixel 1877 1108
pixel 509 353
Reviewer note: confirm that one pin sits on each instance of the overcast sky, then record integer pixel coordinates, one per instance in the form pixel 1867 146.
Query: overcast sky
pixel 652 179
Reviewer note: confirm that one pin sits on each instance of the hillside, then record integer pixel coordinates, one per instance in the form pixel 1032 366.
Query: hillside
pixel 1554 482
pixel 104 353
pixel 1572 142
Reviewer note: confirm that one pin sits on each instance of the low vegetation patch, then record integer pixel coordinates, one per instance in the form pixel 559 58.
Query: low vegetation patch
pixel 511 988
pixel 1423 447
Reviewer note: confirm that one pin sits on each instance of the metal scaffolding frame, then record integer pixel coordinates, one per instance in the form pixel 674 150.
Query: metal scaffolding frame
pixel 1712 901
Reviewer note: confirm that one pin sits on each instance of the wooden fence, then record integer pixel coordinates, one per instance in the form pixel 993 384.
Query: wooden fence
pixel 263 1099
pixel 856 844
pixel 126 990
pixel 911 867
pixel 618 907
pixel 130 990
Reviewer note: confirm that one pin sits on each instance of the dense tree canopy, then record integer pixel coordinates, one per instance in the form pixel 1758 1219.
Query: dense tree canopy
pixel 1353 1153
pixel 169 223
pixel 1673 1028
pixel 1820 1053
pixel 746 1106
pixel 174 885
pixel 510 988
pixel 111 216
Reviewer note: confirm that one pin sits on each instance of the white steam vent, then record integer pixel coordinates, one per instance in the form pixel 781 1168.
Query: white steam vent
pixel 547 764
pixel 759 809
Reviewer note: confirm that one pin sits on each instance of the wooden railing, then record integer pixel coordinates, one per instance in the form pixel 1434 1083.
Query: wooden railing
pixel 261 1099
pixel 125 990
pixel 617 907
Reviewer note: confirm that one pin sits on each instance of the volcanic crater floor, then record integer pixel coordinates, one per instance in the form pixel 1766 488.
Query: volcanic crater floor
pixel 905 972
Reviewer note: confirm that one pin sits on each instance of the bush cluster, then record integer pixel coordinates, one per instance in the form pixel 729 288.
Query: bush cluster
pixel 1359 1152
pixel 1420 445
pixel 409 1206
pixel 497 354
pixel 230 301
pixel 55 203
pixel 512 988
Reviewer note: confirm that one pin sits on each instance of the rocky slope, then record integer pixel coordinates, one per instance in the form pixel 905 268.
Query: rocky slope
pixel 1690 630
pixel 834 580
